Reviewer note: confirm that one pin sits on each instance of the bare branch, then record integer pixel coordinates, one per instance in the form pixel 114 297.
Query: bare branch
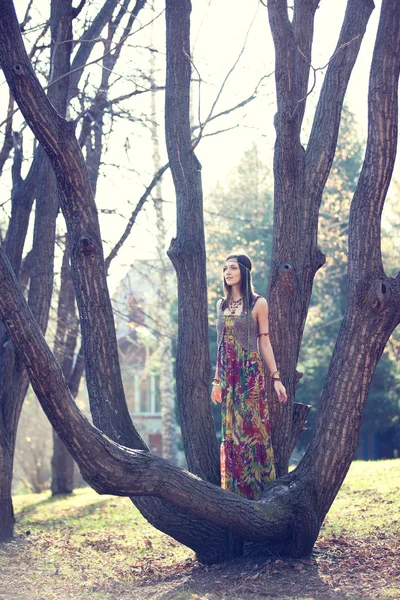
pixel 134 215
pixel 323 137
pixel 27 17
pixel 316 69
pixel 231 70
pixel 78 9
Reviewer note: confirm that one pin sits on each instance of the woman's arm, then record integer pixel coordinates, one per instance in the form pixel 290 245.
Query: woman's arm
pixel 216 390
pixel 261 314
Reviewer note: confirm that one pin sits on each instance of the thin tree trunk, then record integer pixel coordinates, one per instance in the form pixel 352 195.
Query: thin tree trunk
pixel 62 464
pixel 187 253
pixel 6 505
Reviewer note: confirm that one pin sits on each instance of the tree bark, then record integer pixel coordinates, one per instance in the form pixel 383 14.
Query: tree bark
pixel 187 253
pixel 300 177
pixel 373 298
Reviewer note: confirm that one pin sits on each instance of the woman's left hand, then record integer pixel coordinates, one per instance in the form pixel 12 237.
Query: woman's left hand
pixel 280 391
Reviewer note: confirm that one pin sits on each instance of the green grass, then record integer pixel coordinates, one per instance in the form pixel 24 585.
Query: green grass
pixel 368 501
pixel 85 546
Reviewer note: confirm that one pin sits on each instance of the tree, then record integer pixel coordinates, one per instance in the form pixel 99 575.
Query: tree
pixel 216 523
pixel 40 184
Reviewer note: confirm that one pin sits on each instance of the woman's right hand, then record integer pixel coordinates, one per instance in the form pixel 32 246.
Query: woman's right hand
pixel 216 393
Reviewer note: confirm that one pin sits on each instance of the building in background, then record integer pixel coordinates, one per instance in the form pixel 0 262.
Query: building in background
pixel 138 331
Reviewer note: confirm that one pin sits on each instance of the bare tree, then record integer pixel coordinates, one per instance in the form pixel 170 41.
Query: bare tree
pixel 216 523
pixel 40 184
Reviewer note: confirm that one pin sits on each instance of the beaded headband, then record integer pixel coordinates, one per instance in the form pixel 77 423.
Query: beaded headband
pixel 232 261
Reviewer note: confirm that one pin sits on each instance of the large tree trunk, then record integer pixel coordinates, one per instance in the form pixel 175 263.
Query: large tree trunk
pixel 300 177
pixel 62 464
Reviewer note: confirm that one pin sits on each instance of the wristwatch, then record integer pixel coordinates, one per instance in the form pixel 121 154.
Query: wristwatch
pixel 276 376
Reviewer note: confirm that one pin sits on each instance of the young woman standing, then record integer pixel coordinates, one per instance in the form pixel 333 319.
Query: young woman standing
pixel 247 460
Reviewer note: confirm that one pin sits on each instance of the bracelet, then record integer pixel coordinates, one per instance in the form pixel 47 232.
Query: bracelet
pixel 216 383
pixel 275 373
pixel 276 379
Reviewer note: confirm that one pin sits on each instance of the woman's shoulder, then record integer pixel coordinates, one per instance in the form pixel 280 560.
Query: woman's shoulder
pixel 259 302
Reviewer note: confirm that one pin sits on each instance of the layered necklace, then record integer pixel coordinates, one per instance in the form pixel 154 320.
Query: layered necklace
pixel 234 304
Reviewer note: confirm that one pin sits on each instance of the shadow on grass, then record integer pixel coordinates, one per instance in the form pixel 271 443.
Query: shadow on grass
pixel 244 579
pixel 47 521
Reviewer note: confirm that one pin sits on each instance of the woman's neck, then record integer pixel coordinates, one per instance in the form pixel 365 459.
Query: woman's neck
pixel 235 293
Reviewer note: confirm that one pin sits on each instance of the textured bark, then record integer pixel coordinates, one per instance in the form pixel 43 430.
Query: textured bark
pixel 6 505
pixel 300 177
pixel 187 253
pixel 373 298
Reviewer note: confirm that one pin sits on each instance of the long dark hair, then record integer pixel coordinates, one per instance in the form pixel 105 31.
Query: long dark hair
pixel 246 285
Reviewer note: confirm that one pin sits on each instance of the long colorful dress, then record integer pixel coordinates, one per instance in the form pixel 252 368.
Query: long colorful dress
pixel 247 459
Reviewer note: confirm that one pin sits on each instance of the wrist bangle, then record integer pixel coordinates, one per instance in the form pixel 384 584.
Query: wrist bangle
pixel 276 379
pixel 275 373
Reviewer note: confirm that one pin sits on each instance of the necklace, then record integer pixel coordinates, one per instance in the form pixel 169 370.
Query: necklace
pixel 234 304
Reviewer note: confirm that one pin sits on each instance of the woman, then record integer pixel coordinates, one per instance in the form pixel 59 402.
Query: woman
pixel 247 459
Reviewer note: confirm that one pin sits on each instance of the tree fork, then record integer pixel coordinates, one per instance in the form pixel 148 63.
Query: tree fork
pixel 283 520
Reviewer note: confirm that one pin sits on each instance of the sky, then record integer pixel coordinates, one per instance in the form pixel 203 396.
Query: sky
pixel 219 31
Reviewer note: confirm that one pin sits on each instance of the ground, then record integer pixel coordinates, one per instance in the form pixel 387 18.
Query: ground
pixel 87 546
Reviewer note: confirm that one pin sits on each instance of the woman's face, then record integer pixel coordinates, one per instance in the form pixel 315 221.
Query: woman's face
pixel 232 272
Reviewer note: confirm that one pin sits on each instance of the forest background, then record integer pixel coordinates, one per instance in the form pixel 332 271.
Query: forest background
pixel 238 183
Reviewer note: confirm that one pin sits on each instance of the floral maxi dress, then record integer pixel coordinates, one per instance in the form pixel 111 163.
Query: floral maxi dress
pixel 247 459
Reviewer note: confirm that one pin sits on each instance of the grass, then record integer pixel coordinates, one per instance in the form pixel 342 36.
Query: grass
pixel 368 501
pixel 87 546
